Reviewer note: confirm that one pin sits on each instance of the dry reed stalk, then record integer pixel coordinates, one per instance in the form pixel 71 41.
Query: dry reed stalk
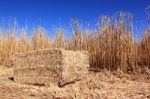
pixel 144 50
pixel 59 41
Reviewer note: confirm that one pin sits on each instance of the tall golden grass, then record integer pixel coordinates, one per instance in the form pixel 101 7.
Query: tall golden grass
pixel 110 47
pixel 144 50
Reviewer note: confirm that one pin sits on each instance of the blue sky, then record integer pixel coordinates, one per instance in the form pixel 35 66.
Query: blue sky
pixel 58 13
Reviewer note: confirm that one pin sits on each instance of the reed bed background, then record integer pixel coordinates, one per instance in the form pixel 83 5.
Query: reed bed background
pixel 111 46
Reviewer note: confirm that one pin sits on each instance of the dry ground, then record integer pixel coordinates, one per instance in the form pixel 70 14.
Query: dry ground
pixel 100 85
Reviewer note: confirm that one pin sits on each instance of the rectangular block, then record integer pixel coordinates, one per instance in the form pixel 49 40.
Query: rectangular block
pixel 56 66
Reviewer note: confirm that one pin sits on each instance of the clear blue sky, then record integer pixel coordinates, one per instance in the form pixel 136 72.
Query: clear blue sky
pixel 55 13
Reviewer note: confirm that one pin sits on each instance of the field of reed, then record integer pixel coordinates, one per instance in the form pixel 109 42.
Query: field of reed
pixel 111 46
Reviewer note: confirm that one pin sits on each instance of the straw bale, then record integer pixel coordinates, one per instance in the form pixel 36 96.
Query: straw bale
pixel 50 66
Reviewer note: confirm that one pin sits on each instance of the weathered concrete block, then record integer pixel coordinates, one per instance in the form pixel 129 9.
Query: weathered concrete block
pixel 56 66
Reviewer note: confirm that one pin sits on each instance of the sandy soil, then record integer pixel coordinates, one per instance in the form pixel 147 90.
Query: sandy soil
pixel 101 85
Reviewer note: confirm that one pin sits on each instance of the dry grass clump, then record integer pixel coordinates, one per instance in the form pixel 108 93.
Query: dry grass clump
pixel 11 43
pixel 144 50
pixel 113 50
pixel 111 47
pixel 39 39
